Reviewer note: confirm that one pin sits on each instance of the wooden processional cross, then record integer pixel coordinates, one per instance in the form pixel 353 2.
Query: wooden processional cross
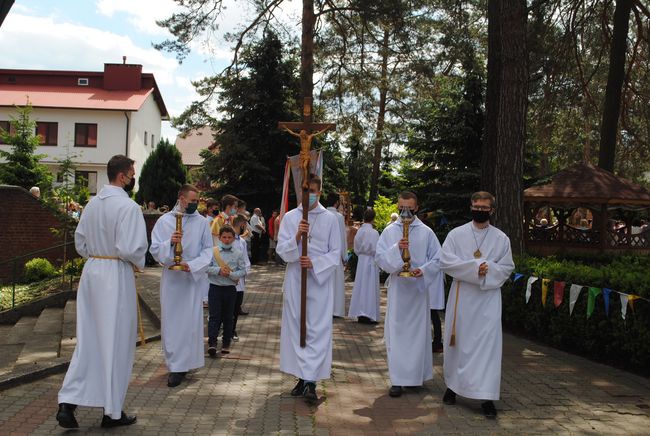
pixel 306 130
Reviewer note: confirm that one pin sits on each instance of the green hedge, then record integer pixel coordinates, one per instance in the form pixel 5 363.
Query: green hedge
pixel 38 269
pixel 608 339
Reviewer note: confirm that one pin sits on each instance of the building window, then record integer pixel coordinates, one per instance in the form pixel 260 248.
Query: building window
pixel 153 143
pixel 85 135
pixel 47 133
pixel 145 137
pixel 87 179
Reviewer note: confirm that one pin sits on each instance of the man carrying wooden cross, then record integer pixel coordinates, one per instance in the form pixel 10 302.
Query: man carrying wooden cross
pixel 313 361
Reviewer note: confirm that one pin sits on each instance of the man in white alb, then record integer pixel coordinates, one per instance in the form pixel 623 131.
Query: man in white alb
pixel 364 304
pixel 478 257
pixel 339 280
pixel 181 292
pixel 407 330
pixel 314 361
pixel 112 235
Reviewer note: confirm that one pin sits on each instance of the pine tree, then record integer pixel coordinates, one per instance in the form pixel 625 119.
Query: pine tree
pixel 252 151
pixel 161 176
pixel 22 167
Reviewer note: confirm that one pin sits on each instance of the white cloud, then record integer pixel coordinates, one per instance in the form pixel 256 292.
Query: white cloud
pixel 142 14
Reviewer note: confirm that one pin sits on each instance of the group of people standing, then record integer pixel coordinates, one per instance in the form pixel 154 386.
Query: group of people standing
pixel 476 256
pixel 112 236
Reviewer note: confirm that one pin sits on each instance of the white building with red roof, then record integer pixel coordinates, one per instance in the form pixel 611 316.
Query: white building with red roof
pixel 93 115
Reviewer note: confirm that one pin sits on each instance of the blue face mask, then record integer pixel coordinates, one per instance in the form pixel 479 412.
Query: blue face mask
pixel 225 246
pixel 313 198
pixel 232 212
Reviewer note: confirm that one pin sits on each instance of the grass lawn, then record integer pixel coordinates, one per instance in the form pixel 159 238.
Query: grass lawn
pixel 32 291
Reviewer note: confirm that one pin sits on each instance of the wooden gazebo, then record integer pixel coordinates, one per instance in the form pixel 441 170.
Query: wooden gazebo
pixel 585 209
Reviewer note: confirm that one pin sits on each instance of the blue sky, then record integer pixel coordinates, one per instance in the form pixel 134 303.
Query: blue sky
pixel 85 34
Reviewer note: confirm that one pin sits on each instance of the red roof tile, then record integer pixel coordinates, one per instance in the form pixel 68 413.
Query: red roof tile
pixel 191 145
pixel 73 97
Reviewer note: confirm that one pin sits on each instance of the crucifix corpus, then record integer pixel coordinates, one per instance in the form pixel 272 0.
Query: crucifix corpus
pixel 306 130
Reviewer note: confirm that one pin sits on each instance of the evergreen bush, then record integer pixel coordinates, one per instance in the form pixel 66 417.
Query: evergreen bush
pixel 602 337
pixel 38 269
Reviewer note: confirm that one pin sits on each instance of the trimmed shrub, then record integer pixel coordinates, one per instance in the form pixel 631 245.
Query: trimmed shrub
pixel 602 337
pixel 74 266
pixel 38 269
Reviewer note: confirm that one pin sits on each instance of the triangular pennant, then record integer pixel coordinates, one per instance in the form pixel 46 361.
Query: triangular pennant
pixel 574 293
pixel 517 277
pixel 529 286
pixel 623 305
pixel 606 292
pixel 591 300
pixel 558 293
pixel 545 283
pixel 630 301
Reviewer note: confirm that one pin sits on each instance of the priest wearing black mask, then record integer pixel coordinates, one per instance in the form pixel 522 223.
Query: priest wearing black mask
pixel 478 258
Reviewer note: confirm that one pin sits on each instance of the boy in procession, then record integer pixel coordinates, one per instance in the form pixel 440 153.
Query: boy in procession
pixel 226 269
pixel 407 330
pixel 364 304
pixel 181 292
pixel 478 257
pixel 314 361
pixel 112 235
pixel 239 224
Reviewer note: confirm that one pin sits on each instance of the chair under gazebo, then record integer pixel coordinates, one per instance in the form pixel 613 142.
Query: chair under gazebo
pixel 583 209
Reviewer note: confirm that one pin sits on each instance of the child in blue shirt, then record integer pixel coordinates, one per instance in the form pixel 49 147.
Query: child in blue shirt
pixel 225 270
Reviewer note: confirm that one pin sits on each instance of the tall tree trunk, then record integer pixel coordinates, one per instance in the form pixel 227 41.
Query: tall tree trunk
pixel 381 119
pixel 615 79
pixel 488 155
pixel 507 120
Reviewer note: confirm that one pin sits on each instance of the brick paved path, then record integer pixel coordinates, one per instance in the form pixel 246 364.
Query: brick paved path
pixel 544 391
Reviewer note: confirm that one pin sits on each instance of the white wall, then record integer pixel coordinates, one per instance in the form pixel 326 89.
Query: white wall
pixel 111 136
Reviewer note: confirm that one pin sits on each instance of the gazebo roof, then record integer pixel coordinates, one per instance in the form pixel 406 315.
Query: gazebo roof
pixel 585 183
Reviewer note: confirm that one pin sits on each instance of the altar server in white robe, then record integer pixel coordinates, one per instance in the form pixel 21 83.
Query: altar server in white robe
pixel 314 361
pixel 364 304
pixel 478 257
pixel 339 279
pixel 181 292
pixel 112 236
pixel 407 330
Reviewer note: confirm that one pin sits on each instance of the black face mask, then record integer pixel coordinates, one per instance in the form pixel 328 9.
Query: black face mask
pixel 481 216
pixel 131 185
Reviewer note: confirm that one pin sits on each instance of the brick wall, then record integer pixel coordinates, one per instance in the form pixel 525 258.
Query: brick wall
pixel 25 224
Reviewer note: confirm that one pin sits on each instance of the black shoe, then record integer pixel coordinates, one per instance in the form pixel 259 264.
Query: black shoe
pixel 395 391
pixel 436 347
pixel 449 398
pixel 297 390
pixel 107 421
pixel 174 379
pixel 242 313
pixel 309 393
pixel 489 410
pixel 65 416
pixel 212 351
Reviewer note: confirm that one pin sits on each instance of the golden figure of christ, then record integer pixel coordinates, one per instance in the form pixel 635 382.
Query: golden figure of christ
pixel 305 147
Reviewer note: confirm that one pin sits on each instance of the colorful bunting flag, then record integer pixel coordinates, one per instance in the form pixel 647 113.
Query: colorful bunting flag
pixel 545 283
pixel 517 277
pixel 606 292
pixel 591 300
pixel 631 299
pixel 574 293
pixel 623 305
pixel 529 286
pixel 558 293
